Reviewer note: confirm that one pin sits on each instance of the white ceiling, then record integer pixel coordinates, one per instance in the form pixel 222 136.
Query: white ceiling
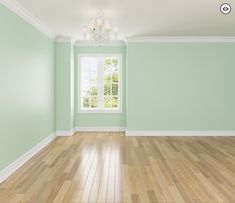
pixel 137 17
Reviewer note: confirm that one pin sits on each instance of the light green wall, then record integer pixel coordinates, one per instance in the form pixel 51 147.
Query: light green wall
pixel 64 87
pixel 72 85
pixel 181 86
pixel 170 86
pixel 102 119
pixel 26 87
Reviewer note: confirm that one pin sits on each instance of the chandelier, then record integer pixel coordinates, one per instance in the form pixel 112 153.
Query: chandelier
pixel 100 30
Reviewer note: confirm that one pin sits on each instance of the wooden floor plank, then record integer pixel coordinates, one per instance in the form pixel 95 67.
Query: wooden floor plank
pixel 110 167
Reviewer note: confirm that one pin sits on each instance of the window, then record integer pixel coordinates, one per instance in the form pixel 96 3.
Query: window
pixel 100 81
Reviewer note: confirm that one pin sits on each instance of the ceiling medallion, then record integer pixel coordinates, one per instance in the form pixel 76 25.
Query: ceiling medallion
pixel 100 30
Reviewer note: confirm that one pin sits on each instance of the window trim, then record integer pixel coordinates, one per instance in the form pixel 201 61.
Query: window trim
pixel 120 92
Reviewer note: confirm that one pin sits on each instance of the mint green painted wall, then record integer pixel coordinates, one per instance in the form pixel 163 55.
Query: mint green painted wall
pixel 102 119
pixel 26 87
pixel 181 86
pixel 72 86
pixel 64 87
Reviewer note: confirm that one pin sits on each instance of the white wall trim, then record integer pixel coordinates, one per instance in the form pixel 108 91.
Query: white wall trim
pixel 9 170
pixel 19 10
pixel 62 133
pixel 100 129
pixel 208 39
pixel 64 39
pixel 105 44
pixel 179 133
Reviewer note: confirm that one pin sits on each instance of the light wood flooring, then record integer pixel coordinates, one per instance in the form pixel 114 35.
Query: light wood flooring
pixel 110 167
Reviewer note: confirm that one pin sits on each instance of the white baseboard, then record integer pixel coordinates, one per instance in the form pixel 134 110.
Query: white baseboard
pixel 62 133
pixel 6 172
pixel 179 133
pixel 100 129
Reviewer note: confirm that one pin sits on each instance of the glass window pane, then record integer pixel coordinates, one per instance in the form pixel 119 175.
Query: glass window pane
pixel 115 77
pixel 85 77
pixel 86 102
pixel 115 63
pixel 93 65
pixel 114 89
pixel 108 66
pixel 107 78
pixel 85 90
pixel 107 89
pixel 93 90
pixel 89 66
pixel 85 64
pixel 107 69
pixel 115 102
pixel 93 77
pixel 107 61
pixel 94 102
pixel 107 102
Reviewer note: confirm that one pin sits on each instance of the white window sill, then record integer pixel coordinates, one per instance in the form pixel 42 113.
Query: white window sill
pixel 100 111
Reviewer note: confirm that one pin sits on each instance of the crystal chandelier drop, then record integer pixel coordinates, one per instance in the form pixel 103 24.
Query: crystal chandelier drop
pixel 100 30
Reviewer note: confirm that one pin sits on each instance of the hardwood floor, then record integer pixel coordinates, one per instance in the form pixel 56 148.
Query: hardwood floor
pixel 110 167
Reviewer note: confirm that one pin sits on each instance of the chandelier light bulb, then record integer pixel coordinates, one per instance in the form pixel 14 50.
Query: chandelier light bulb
pixel 99 22
pixel 91 26
pixel 115 29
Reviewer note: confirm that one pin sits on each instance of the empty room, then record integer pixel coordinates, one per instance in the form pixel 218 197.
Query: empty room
pixel 117 101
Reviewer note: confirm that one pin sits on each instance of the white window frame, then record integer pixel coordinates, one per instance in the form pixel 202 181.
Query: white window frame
pixel 101 87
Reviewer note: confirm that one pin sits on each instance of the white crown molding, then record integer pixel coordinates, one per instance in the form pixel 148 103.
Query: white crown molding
pixel 179 133
pixel 187 39
pixel 64 133
pixel 100 129
pixel 19 10
pixel 105 44
pixel 9 170
pixel 64 39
